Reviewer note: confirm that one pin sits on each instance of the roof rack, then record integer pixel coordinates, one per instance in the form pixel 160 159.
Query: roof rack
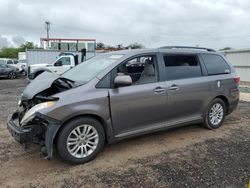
pixel 187 47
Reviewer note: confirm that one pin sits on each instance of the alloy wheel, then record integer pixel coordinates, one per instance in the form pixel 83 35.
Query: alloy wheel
pixel 82 141
pixel 12 75
pixel 216 114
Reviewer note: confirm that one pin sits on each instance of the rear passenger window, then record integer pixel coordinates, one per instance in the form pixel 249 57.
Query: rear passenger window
pixel 181 66
pixel 215 64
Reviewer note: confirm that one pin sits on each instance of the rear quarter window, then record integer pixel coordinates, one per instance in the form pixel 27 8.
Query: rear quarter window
pixel 215 64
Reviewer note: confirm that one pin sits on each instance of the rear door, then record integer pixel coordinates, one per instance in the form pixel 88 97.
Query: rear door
pixel 219 74
pixel 188 90
pixel 137 108
pixel 4 70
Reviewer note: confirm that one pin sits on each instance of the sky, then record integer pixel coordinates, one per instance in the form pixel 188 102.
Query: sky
pixel 154 23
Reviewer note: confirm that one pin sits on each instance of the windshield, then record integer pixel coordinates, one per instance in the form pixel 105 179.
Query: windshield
pixel 89 69
pixel 2 61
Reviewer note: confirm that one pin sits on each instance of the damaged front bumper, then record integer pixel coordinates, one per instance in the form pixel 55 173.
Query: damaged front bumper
pixel 41 131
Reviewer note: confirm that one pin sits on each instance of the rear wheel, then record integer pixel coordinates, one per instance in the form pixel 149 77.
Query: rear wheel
pixel 80 140
pixel 215 115
pixel 12 75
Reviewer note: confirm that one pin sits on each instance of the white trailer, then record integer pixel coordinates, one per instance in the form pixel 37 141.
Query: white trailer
pixel 21 56
pixel 240 59
pixel 41 56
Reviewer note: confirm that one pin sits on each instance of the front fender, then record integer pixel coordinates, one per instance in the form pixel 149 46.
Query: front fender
pixel 34 73
pixel 50 134
pixel 42 70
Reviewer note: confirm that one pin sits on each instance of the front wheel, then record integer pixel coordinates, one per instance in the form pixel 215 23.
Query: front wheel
pixel 215 114
pixel 80 140
pixel 12 75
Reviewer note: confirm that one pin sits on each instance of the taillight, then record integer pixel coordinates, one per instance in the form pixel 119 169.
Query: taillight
pixel 237 80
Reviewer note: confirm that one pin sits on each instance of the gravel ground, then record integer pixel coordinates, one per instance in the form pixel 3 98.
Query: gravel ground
pixel 185 157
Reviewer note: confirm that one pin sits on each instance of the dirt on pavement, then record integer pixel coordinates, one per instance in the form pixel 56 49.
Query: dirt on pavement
pixel 184 157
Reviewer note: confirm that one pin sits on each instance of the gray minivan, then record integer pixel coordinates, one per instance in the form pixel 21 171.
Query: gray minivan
pixel 124 94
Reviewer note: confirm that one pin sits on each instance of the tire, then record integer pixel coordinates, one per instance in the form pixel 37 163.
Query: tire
pixel 12 75
pixel 217 110
pixel 77 150
pixel 23 73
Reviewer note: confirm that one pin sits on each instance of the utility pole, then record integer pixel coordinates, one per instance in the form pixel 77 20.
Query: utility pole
pixel 47 27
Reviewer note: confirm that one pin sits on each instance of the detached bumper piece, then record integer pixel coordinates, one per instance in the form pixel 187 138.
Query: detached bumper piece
pixel 41 131
pixel 21 134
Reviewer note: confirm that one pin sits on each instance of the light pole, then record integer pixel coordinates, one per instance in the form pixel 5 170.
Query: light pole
pixel 47 27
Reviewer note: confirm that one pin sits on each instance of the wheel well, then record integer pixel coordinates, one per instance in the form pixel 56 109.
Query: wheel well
pixel 96 117
pixel 225 100
pixel 39 72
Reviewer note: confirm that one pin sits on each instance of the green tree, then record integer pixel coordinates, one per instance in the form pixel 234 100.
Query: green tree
pixel 28 45
pixel 9 52
pixel 226 48
pixel 13 52
pixel 135 45
pixel 100 45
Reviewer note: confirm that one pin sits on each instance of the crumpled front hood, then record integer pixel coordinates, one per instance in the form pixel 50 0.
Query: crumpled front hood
pixel 39 84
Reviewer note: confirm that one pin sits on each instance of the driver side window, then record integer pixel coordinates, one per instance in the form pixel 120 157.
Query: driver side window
pixel 65 60
pixel 141 69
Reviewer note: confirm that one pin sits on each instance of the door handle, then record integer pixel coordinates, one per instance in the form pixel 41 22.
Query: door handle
pixel 159 90
pixel 174 87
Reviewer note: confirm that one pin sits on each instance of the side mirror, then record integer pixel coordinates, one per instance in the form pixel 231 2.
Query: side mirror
pixel 58 63
pixel 122 80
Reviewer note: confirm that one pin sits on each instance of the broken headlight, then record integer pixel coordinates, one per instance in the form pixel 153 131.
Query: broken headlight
pixel 30 114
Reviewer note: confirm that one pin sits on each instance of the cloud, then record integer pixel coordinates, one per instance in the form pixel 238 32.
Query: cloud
pixel 210 23
pixel 11 41
pixel 18 40
pixel 3 42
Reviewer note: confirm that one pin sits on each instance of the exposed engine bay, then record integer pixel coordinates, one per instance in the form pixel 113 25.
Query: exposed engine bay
pixel 59 85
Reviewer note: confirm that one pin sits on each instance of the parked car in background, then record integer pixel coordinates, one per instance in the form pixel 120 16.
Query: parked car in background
pixel 22 66
pixel 124 94
pixel 11 62
pixel 8 71
pixel 7 61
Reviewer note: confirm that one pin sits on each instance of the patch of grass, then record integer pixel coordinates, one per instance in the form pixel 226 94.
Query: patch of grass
pixel 245 89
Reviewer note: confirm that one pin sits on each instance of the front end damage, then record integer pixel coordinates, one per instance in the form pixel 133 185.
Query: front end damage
pixel 40 130
pixel 28 125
